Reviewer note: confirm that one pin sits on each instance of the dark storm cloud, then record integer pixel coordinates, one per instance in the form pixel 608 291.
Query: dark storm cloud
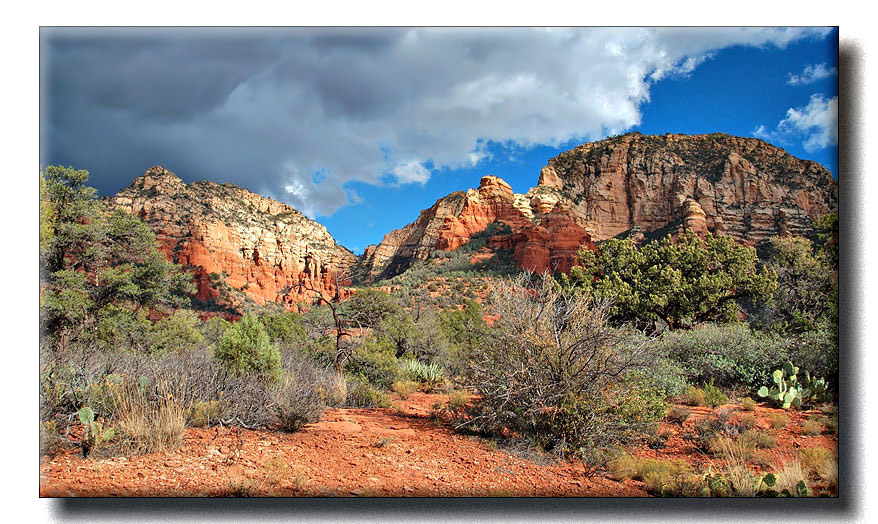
pixel 267 108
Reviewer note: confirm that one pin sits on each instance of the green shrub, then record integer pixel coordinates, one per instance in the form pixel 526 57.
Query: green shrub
pixel 404 388
pixel 176 332
pixel 713 397
pixel 693 396
pixel 730 355
pixel 246 348
pixel 361 394
pixel 375 361
pixel 284 328
pixel 748 404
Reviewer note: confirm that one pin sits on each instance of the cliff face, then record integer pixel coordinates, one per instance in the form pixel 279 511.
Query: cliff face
pixel 633 185
pixel 743 187
pixel 269 250
pixel 540 241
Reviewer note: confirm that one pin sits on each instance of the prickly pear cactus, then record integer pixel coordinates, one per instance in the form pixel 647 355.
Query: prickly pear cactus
pixel 789 391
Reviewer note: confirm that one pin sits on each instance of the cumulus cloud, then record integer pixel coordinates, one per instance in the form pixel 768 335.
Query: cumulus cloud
pixel 811 74
pixel 815 125
pixel 411 172
pixel 269 108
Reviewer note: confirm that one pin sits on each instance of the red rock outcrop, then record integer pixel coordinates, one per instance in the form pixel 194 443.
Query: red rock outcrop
pixel 263 248
pixel 493 201
pixel 744 187
pixel 550 245
pixel 637 185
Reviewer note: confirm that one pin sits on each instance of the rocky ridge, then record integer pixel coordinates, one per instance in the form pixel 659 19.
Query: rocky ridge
pixel 264 248
pixel 631 185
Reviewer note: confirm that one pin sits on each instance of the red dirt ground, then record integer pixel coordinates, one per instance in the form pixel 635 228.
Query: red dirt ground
pixel 362 452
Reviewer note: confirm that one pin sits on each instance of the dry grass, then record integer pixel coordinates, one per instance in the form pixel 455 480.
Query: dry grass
pixel 748 404
pixel 828 472
pixel 760 439
pixel 789 476
pixel 813 458
pixel 778 420
pixel 150 419
pixel 733 451
pixel 812 428
pixel 404 388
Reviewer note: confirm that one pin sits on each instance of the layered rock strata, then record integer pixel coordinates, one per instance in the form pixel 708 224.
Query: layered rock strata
pixel 264 248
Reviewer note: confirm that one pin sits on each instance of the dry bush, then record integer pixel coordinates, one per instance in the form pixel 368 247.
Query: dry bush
pixel 150 418
pixel 828 471
pixel 813 458
pixel 674 478
pixel 678 415
pixel 404 388
pixel 734 451
pixel 759 439
pixel 778 420
pixel 748 404
pixel 556 371
pixel 811 428
pixel 741 480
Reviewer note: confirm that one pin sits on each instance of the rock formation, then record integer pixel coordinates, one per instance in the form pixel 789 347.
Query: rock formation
pixel 743 187
pixel 265 249
pixel 633 185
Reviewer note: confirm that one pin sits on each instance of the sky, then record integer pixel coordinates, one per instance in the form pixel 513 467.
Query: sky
pixel 362 128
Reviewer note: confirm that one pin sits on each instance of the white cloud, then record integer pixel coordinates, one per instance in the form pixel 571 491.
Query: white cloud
pixel 815 125
pixel 411 172
pixel 367 104
pixel 811 74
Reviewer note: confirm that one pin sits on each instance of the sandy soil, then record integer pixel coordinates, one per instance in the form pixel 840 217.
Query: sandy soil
pixel 364 452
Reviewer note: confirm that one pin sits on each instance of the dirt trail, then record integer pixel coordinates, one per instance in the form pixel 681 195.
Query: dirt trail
pixel 350 452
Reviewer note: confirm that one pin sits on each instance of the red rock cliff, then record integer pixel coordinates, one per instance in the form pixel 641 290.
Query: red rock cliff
pixel 268 250
pixel 632 184
pixel 742 187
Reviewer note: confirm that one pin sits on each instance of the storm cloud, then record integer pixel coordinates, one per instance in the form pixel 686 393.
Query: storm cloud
pixel 298 113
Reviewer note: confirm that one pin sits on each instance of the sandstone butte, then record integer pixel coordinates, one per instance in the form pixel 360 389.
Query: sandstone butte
pixel 266 249
pixel 630 185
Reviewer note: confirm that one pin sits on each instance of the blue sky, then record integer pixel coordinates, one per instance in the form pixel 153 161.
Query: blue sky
pixel 363 128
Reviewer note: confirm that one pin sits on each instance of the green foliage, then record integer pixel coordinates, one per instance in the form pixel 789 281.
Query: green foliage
pixel 213 328
pixel 284 328
pixel 826 229
pixel 730 355
pixel 246 348
pixel 807 292
pixel 374 360
pixel 404 388
pixel 679 282
pixel 178 332
pixel 361 394
pixel 95 258
pixel 713 397
pixel 788 390
pixel 465 330
pixel 431 375
pixel 368 307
